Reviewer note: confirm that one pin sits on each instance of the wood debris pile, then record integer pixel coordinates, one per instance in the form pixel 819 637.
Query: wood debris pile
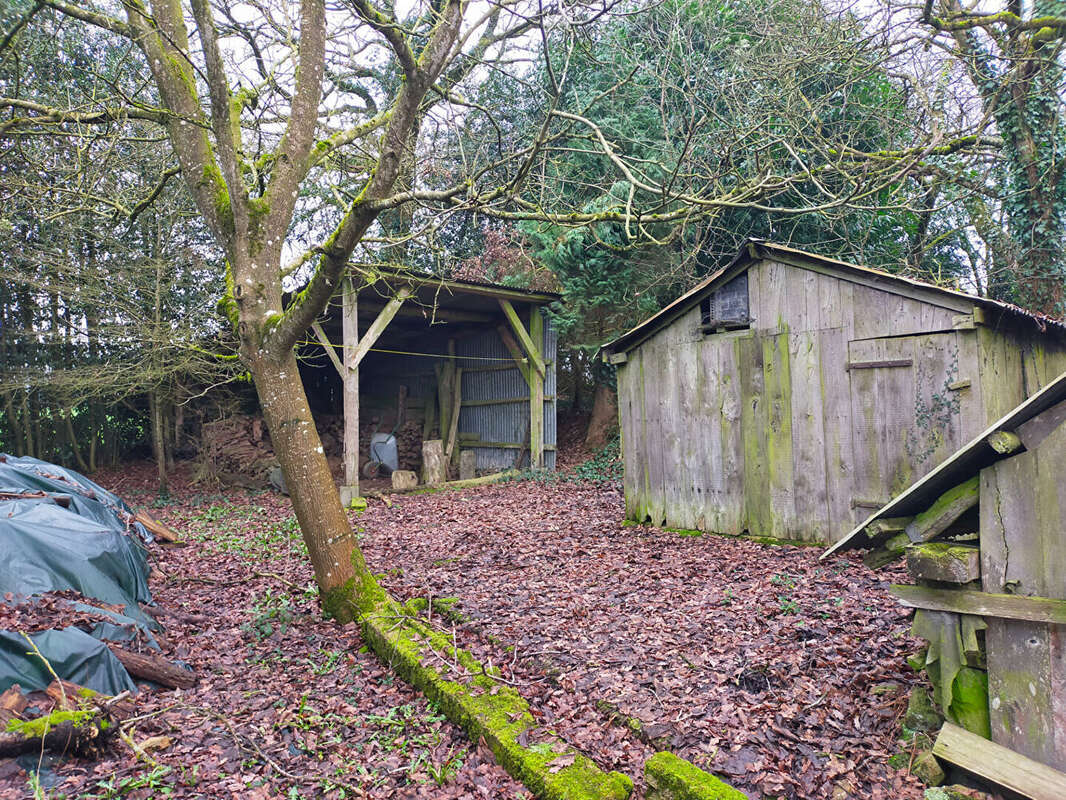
pixel 236 451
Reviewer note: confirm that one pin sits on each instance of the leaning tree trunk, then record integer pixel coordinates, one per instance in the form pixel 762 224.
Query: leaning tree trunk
pixel 340 570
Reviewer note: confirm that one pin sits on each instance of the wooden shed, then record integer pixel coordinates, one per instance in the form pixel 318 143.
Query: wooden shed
pixel 789 395
pixel 468 364
pixel 984 535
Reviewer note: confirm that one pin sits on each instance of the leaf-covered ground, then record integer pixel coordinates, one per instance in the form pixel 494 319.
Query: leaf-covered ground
pixel 760 663
pixel 288 706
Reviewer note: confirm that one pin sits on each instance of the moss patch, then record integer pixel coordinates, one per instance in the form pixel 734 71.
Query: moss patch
pixel 36 728
pixel 771 540
pixel 472 697
pixel 673 778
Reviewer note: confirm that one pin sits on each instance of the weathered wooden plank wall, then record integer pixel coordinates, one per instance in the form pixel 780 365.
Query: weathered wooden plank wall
pixel 1023 551
pixel 767 431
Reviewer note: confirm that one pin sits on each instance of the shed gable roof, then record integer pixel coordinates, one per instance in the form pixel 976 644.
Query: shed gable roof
pixel 755 250
pixel 963 465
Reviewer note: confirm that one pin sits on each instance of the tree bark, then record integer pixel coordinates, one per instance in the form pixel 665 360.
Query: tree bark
pixel 603 424
pixel 155 412
pixel 339 566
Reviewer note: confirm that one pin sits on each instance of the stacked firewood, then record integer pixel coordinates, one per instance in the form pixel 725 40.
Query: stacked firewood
pixel 237 451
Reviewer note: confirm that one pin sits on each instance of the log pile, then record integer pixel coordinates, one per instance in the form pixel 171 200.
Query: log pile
pixel 408 440
pixel 236 451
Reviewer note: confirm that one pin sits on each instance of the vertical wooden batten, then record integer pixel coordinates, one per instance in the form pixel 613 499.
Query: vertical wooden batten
pixel 350 377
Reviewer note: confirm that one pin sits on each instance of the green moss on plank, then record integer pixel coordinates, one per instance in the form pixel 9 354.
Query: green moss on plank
pixel 471 696
pixel 969 701
pixel 673 778
pixel 963 496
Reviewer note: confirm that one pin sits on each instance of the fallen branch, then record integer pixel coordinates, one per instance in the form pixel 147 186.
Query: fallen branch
pixel 155 669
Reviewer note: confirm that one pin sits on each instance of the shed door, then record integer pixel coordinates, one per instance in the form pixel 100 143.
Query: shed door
pixel 905 411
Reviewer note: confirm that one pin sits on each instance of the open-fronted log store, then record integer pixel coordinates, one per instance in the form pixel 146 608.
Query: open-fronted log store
pixel 984 537
pixel 789 395
pixel 460 374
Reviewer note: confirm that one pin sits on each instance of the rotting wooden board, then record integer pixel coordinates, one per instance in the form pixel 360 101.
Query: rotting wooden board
pixel 947 510
pixel 808 438
pixel 999 764
pixel 1022 552
pixel 984 604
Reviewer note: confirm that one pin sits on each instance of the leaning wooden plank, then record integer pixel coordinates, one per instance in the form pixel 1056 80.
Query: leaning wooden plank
pixel 531 348
pixel 158 529
pixel 985 604
pixel 1033 432
pixel 457 404
pixel 943 561
pixel 945 511
pixel 999 764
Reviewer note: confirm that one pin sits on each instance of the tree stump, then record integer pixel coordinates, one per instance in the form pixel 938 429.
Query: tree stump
pixel 434 467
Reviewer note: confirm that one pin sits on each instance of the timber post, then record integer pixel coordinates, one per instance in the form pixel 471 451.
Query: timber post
pixel 350 375
pixel 536 393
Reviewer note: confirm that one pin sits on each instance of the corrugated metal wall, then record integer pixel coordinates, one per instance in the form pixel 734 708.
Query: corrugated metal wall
pixel 486 377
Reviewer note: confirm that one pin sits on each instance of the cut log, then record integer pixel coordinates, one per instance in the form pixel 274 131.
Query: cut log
pixel 404 479
pixel 434 467
pixel 155 669
pixel 888 525
pixel 947 509
pixel 1004 442
pixel 999 764
pixel 157 528
pixel 942 561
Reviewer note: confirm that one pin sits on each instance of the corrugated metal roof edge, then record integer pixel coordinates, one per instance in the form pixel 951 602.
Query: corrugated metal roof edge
pixel 962 465
pixel 755 249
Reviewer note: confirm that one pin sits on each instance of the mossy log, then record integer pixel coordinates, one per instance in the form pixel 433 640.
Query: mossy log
pixel 79 732
pixel 1004 442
